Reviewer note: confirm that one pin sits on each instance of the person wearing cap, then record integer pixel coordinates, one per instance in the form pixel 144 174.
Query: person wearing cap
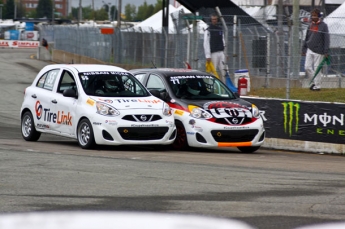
pixel 315 47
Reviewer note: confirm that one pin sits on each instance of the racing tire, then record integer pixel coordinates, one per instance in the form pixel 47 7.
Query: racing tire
pixel 86 139
pixel 248 149
pixel 29 131
pixel 181 142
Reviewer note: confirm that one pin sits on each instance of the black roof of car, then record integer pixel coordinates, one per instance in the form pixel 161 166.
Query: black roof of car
pixel 171 71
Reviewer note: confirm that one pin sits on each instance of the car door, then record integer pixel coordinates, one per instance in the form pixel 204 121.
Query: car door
pixel 42 100
pixel 66 107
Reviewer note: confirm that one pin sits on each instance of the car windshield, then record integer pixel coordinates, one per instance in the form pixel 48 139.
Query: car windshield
pixel 200 87
pixel 112 84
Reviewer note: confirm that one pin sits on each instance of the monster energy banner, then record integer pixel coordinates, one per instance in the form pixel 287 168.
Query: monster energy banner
pixel 305 121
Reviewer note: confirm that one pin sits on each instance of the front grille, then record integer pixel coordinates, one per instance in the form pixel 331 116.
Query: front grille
pixel 234 120
pixel 142 133
pixel 142 118
pixel 234 135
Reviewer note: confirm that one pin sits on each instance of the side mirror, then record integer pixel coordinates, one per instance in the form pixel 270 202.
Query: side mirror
pixel 156 93
pixel 70 93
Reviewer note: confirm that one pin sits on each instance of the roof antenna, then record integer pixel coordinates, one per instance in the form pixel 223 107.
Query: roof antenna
pixel 153 64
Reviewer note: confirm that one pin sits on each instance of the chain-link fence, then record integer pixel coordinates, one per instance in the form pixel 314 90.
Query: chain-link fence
pixel 264 48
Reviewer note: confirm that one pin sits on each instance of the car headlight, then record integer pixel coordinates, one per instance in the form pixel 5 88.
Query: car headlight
pixel 166 110
pixel 106 110
pixel 255 111
pixel 197 112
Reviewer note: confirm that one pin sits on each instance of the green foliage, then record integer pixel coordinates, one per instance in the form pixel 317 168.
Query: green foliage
pixel 130 12
pixel 89 14
pixel 32 14
pixel 144 12
pixel 113 14
pixel 44 9
pixel 9 10
pixel 101 15
pixel 324 95
pixel 158 6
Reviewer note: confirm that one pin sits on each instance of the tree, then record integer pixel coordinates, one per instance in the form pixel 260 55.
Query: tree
pixel 9 10
pixel 158 6
pixel 113 13
pixel 130 12
pixel 32 14
pixel 44 8
pixel 144 11
pixel 101 15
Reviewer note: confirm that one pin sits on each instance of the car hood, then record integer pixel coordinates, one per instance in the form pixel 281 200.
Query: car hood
pixel 209 104
pixel 130 102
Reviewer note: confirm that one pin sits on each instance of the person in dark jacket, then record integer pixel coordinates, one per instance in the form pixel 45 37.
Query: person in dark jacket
pixel 214 46
pixel 315 47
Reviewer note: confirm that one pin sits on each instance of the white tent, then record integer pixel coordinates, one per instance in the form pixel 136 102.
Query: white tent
pixel 336 25
pixel 154 23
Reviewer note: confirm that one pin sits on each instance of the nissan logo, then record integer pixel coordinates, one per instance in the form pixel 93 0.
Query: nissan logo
pixel 235 120
pixel 143 118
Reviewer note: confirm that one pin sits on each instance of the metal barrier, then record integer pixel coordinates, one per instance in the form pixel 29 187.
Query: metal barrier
pixel 255 45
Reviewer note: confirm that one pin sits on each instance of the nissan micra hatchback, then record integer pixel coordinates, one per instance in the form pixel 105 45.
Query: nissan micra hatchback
pixel 95 104
pixel 207 114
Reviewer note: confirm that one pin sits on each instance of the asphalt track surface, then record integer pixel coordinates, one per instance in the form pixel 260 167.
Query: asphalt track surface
pixel 268 189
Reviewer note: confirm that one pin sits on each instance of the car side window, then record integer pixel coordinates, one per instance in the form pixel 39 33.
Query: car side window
pixel 67 81
pixel 140 77
pixel 47 80
pixel 155 82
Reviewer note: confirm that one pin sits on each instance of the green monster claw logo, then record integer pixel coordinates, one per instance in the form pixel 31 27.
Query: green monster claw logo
pixel 289 116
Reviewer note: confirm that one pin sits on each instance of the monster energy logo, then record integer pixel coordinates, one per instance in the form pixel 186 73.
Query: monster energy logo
pixel 291 111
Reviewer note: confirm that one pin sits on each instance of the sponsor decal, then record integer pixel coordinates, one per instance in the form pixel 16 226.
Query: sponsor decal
pixel 138 100
pixel 176 79
pixel 179 112
pixel 144 125
pixel 42 126
pixel 30 34
pixel 60 117
pixel 262 114
pixel 235 127
pixel 111 122
pixel 106 100
pixel 97 123
pixel 197 128
pixel 4 44
pixel 170 123
pixel 291 117
pixel 19 44
pixel 222 109
pixel 90 102
pixel 292 121
pixel 27 44
pixel 190 133
pixel 105 73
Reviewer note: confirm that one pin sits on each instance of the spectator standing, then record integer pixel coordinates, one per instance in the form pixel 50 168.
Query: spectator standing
pixel 315 47
pixel 214 46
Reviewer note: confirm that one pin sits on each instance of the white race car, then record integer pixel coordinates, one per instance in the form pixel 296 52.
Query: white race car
pixel 207 114
pixel 95 104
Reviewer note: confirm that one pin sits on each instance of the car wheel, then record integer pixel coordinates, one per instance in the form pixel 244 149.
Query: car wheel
pixel 248 149
pixel 29 131
pixel 85 135
pixel 180 142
